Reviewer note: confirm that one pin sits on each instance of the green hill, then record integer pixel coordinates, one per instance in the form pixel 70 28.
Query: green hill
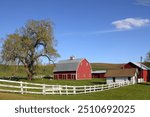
pixel 12 70
pixel 105 66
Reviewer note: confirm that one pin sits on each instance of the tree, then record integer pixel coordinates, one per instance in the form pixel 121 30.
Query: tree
pixel 147 59
pixel 28 44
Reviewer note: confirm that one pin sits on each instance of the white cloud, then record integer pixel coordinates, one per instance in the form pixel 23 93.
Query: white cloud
pixel 143 2
pixel 130 23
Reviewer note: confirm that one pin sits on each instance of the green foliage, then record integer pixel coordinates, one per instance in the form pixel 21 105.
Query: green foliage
pixel 147 64
pixel 147 59
pixel 28 44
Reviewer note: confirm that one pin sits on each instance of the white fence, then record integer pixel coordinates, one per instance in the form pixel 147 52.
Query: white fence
pixel 34 88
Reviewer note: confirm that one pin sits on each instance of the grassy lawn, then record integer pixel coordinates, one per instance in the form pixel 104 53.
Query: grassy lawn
pixel 94 81
pixel 132 92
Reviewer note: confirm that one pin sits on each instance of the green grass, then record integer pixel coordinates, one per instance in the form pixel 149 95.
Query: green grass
pixel 94 81
pixel 132 92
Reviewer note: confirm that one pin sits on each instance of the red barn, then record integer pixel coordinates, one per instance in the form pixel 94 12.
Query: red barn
pixel 144 72
pixel 99 74
pixel 73 69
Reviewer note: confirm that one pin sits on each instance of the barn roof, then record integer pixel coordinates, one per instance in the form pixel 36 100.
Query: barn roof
pixel 120 73
pixel 140 65
pixel 67 65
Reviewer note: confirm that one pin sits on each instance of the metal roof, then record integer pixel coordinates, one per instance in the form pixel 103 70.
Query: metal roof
pixel 99 71
pixel 140 65
pixel 67 65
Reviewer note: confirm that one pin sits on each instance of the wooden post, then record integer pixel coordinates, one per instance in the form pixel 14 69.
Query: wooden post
pixel 94 88
pixel 119 84
pixel 84 89
pixel 44 90
pixel 21 86
pixel 53 89
pixel 60 89
pixel 90 89
pixel 26 87
pixel 74 90
pixel 102 88
pixel 66 90
pixel 113 85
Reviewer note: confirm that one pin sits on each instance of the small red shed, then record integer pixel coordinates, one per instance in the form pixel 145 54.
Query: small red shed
pixel 73 69
pixel 142 70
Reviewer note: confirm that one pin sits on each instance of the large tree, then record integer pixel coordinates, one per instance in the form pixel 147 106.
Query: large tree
pixel 29 43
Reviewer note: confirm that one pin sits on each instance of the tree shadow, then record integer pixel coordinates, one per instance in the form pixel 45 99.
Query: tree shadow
pixel 14 78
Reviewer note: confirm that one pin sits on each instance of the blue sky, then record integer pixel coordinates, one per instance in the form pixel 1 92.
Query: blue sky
pixel 108 31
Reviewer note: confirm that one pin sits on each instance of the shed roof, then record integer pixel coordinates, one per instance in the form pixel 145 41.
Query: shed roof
pixel 120 73
pixel 140 65
pixel 67 65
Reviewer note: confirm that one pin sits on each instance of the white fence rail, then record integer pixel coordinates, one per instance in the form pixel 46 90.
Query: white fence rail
pixel 34 88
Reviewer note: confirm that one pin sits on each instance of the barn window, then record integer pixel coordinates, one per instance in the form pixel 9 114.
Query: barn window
pixel 114 80
pixel 64 76
pixel 73 76
pixel 60 76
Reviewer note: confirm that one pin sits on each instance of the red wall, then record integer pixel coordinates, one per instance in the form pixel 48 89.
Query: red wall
pixel 61 77
pixel 84 70
pixel 98 75
pixel 148 75
pixel 144 73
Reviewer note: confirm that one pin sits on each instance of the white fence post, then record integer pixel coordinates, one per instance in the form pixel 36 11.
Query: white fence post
pixel 90 88
pixel 94 88
pixel 119 84
pixel 60 89
pixel 25 86
pixel 84 89
pixel 102 87
pixel 53 89
pixel 21 86
pixel 74 90
pixel 44 90
pixel 66 89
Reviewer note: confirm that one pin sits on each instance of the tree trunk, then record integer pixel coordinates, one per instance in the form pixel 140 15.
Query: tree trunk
pixel 29 72
pixel 30 76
